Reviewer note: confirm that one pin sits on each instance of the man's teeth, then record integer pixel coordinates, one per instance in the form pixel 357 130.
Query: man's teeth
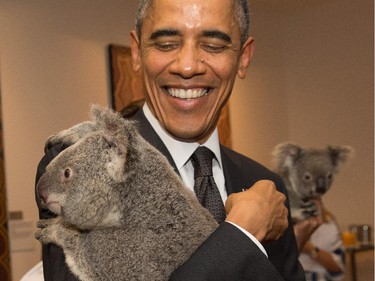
pixel 187 94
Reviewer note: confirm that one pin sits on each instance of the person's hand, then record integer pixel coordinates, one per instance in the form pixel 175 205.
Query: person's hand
pixel 307 248
pixel 260 210
pixel 304 229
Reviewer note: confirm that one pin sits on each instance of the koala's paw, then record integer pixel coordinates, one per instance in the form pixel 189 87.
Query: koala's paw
pixel 298 215
pixel 47 230
pixel 310 209
pixel 72 135
pixel 305 211
pixel 310 213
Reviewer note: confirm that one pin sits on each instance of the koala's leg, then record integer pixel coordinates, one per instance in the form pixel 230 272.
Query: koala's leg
pixel 71 135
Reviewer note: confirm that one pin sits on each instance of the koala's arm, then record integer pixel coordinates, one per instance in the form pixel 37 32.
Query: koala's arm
pixel 54 266
pixel 70 136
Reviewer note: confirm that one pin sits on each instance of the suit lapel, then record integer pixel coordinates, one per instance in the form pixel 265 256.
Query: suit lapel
pixel 232 183
pixel 149 134
pixel 238 175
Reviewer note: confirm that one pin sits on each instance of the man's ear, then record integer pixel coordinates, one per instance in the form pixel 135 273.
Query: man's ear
pixel 245 58
pixel 135 51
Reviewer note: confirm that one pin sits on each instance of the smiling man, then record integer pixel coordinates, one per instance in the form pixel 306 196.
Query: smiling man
pixel 190 53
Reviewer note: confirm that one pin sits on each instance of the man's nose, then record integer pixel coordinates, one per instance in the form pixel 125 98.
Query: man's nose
pixel 188 62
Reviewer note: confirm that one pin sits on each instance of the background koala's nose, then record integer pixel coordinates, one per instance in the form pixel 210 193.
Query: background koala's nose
pixel 321 185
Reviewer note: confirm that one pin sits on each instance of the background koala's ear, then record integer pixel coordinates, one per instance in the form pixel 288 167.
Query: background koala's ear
pixel 285 155
pixel 339 154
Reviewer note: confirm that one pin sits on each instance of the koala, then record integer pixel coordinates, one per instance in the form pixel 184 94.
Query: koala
pixel 122 212
pixel 308 174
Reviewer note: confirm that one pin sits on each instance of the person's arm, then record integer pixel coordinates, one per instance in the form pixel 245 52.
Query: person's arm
pixel 332 256
pixel 323 257
pixel 228 254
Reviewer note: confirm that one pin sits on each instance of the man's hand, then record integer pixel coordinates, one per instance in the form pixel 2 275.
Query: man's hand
pixel 260 210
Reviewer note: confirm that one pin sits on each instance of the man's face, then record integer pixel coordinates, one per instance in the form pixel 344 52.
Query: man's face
pixel 190 53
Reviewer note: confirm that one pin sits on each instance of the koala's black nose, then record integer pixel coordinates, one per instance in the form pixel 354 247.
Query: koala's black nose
pixel 321 185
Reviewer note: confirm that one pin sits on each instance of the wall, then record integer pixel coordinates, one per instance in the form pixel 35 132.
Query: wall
pixel 331 86
pixel 311 82
pixel 310 66
pixel 258 104
pixel 54 64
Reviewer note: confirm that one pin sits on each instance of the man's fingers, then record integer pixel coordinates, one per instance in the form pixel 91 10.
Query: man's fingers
pixel 260 210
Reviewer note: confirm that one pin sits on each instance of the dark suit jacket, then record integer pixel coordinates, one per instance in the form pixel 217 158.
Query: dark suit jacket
pixel 228 254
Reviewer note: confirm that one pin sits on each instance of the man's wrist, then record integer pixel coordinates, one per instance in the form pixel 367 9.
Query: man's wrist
pixel 248 234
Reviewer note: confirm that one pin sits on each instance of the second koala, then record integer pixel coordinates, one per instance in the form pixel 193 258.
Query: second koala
pixel 123 213
pixel 307 173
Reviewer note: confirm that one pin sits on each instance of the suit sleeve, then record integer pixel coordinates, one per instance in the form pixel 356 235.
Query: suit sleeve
pixel 54 267
pixel 227 254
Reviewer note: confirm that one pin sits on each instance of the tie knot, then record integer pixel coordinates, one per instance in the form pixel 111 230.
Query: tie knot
pixel 202 162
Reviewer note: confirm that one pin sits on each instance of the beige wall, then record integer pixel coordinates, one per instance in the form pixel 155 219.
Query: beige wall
pixel 334 79
pixel 54 64
pixel 311 82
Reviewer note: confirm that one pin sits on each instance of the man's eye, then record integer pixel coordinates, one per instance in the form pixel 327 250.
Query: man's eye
pixel 166 46
pixel 214 47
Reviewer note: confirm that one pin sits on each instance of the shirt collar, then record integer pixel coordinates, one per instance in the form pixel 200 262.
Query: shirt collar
pixel 179 150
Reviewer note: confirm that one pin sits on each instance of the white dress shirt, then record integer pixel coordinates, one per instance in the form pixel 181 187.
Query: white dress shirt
pixel 181 153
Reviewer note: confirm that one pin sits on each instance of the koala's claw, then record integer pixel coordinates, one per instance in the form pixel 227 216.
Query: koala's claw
pixel 42 233
pixel 309 213
pixel 42 236
pixel 42 223
pixel 38 235
pixel 47 230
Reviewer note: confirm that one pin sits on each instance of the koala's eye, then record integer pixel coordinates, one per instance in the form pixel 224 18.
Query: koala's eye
pixel 307 177
pixel 67 173
pixel 329 176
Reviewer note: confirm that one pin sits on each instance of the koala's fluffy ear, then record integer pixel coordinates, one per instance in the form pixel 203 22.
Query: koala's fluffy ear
pixel 117 131
pixel 285 155
pixel 107 119
pixel 117 151
pixel 340 154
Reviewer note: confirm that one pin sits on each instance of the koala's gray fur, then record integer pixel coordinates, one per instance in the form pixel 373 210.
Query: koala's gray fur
pixel 123 213
pixel 307 173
